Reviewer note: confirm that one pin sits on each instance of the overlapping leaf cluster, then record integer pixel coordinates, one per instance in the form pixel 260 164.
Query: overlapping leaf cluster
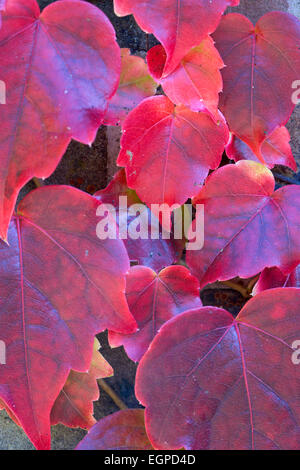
pixel 206 379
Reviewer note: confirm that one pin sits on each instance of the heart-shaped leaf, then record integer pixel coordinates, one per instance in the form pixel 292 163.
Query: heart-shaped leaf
pixel 60 285
pixel 162 142
pixel 197 80
pixel 275 150
pixel 153 299
pixel 74 405
pixel 154 253
pixel 210 381
pixel 135 85
pixel 123 430
pixel 64 67
pixel 178 25
pixel 262 62
pixel 247 226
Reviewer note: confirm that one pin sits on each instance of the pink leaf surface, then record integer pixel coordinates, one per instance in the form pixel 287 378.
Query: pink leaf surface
pixel 64 68
pixel 270 278
pixel 135 85
pixel 162 142
pixel 123 430
pixel 153 299
pixel 247 226
pixel 210 381
pixel 262 62
pixel 197 80
pixel 60 286
pixel 178 24
pixel 74 405
pixel 275 150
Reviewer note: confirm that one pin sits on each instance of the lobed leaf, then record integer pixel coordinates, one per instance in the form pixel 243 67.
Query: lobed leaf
pixel 60 285
pixel 227 383
pixel 196 82
pixel 162 142
pixel 248 226
pixel 262 62
pixel 178 25
pixel 64 68
pixel 153 299
pixel 74 405
pixel 275 150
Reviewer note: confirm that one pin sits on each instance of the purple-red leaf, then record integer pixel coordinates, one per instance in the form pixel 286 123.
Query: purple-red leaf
pixel 197 80
pixel 210 381
pixel 271 278
pixel 275 150
pixel 262 62
pixel 60 285
pixel 153 299
pixel 60 69
pixel 123 430
pixel 74 405
pixel 178 25
pixel 135 85
pixel 168 150
pixel 154 253
pixel 247 225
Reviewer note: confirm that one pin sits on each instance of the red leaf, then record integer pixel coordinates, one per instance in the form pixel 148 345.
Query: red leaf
pixel 275 150
pixel 64 67
pixel 196 82
pixel 123 430
pixel 153 299
pixel 162 142
pixel 247 226
pixel 179 26
pixel 74 405
pixel 135 85
pixel 155 253
pixel 262 62
pixel 224 381
pixel 271 278
pixel 60 286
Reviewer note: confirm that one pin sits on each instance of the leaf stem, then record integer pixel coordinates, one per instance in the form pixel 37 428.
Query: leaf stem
pixel 252 284
pixel 116 399
pixel 234 285
pixel 38 182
